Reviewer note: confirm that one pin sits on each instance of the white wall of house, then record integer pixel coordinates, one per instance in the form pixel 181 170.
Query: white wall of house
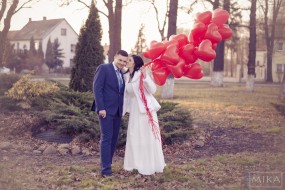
pixel 66 41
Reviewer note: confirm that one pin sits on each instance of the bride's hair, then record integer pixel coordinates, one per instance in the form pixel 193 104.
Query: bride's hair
pixel 138 64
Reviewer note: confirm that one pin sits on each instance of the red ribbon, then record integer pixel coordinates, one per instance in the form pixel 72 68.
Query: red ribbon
pixel 154 128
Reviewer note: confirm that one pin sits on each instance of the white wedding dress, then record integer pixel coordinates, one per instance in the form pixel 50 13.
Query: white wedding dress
pixel 143 151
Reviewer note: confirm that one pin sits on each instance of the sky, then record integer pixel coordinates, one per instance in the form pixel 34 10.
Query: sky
pixel 133 16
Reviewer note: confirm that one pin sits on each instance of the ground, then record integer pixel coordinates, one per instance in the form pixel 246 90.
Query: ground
pixel 216 157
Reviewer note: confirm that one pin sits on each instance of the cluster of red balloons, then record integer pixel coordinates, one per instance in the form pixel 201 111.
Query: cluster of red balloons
pixel 179 54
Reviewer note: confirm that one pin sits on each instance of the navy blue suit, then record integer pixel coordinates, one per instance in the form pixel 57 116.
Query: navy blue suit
pixel 108 97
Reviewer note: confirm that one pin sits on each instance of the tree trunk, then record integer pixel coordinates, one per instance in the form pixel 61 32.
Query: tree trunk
pixel 269 77
pixel 252 48
pixel 250 83
pixel 5 30
pixel 168 87
pixel 218 70
pixel 112 31
pixel 118 24
pixel 217 79
pixel 282 88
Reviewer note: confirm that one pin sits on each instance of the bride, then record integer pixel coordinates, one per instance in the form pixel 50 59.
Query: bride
pixel 143 147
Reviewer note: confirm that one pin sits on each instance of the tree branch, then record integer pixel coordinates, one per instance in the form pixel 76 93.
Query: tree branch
pixel 3 8
pixel 24 6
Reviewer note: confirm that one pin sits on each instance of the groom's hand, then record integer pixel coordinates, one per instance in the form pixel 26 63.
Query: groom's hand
pixel 102 113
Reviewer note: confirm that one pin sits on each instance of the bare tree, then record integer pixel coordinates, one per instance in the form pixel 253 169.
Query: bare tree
pixel 114 16
pixel 7 10
pixel 269 28
pixel 161 23
pixel 252 48
pixel 168 88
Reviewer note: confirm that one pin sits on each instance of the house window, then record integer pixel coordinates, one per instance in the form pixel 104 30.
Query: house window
pixel 72 48
pixel 63 31
pixel 280 46
pixel 279 68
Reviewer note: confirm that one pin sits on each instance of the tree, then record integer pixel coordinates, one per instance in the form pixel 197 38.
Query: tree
pixel 252 47
pixel 141 42
pixel 32 46
pixel 49 55
pixel 57 54
pixel 10 8
pixel 114 16
pixel 89 53
pixel 270 28
pixel 34 61
pixel 160 27
pixel 168 87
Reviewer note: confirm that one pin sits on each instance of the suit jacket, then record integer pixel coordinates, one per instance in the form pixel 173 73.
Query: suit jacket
pixel 106 90
pixel 149 90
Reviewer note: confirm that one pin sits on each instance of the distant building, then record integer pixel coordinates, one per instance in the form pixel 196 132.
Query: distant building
pixel 41 31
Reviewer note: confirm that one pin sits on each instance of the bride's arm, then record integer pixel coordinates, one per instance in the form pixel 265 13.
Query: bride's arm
pixel 148 80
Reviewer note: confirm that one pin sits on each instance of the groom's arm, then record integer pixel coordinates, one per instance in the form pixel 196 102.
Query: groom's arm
pixel 98 87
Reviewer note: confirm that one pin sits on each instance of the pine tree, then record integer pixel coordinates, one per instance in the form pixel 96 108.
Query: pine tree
pixel 32 49
pixel 40 49
pixel 49 55
pixel 57 54
pixel 89 53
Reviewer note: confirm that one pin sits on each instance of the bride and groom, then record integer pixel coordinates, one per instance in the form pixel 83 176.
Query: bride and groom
pixel 117 92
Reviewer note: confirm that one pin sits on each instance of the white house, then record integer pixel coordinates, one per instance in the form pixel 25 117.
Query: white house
pixel 41 31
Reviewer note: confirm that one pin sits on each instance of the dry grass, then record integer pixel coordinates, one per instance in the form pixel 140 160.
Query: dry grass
pixel 231 106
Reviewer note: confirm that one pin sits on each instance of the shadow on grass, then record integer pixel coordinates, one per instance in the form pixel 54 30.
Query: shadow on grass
pixel 280 108
pixel 235 140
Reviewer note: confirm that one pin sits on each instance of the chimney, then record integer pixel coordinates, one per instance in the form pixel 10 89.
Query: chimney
pixel 30 19
pixel 44 18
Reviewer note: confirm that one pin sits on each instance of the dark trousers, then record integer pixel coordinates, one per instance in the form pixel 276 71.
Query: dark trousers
pixel 109 126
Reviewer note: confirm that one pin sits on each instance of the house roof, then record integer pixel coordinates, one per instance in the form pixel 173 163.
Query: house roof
pixel 35 29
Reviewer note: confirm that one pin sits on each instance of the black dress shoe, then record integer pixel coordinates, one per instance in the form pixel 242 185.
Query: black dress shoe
pixel 105 175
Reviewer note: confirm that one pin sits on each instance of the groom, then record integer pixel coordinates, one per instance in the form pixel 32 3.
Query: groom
pixel 108 90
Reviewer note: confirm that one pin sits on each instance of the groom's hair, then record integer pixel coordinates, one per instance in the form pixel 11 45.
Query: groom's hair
pixel 122 53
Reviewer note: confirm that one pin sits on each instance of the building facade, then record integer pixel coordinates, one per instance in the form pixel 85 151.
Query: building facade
pixel 43 30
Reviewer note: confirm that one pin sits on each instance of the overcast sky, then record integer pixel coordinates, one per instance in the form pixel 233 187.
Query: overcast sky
pixel 133 16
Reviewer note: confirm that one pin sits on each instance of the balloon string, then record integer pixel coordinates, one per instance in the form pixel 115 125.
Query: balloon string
pixel 154 128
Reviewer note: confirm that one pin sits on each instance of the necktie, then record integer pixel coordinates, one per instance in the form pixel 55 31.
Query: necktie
pixel 119 79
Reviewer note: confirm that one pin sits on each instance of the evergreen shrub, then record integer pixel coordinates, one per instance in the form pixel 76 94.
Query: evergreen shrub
pixel 7 81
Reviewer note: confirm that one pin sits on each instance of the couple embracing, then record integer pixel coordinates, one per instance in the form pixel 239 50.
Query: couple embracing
pixel 116 89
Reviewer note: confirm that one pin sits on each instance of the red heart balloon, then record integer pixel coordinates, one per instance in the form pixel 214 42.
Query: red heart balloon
pixel 214 45
pixel 155 49
pixel 225 31
pixel 197 33
pixel 159 73
pixel 177 70
pixel 182 39
pixel 213 33
pixel 170 56
pixel 145 54
pixel 220 16
pixel 171 42
pixel 187 53
pixel 193 71
pixel 204 17
pixel 205 51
